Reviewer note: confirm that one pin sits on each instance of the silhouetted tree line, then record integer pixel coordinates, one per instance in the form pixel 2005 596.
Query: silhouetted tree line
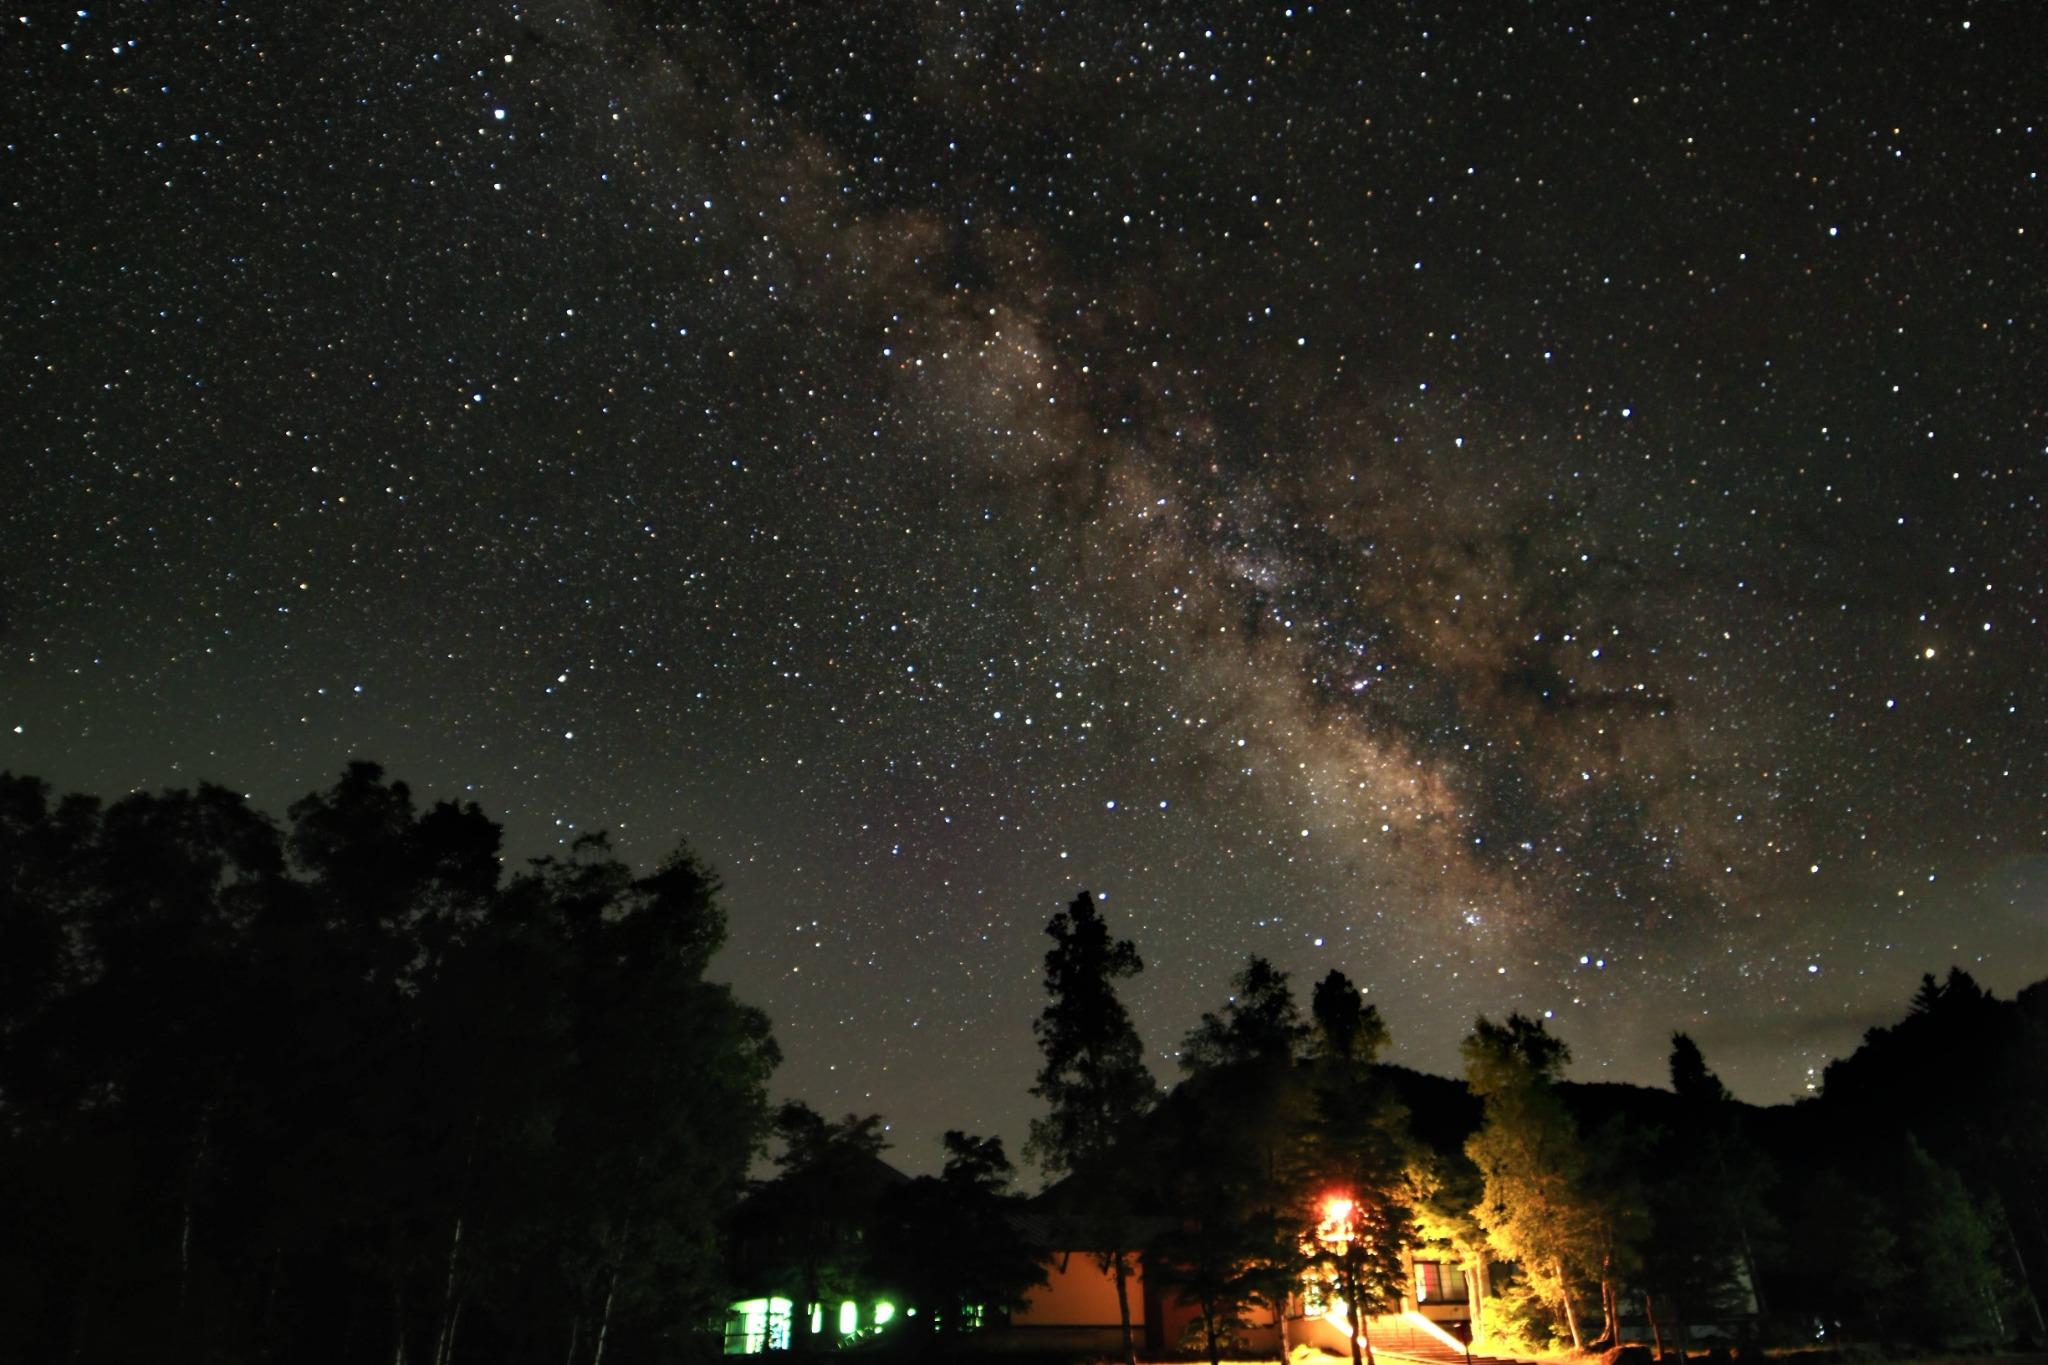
pixel 1904 1203
pixel 836 1223
pixel 341 1089
pixel 1929 1146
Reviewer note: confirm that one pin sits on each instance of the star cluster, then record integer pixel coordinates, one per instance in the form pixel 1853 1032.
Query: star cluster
pixel 1540 511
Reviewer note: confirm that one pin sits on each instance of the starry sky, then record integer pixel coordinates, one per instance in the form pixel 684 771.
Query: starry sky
pixel 1541 508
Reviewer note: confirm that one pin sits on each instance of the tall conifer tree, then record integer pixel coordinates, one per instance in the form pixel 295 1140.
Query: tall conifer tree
pixel 1355 1159
pixel 1094 1082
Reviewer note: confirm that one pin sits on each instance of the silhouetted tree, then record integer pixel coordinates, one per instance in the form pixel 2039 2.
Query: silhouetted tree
pixel 664 1105
pixel 336 1091
pixel 1617 1218
pixel 1260 1025
pixel 1224 1152
pixel 1961 1072
pixel 1344 1029
pixel 946 1244
pixel 1954 1291
pixel 1094 1083
pixel 1354 1218
pixel 821 1207
pixel 1844 1254
pixel 1708 1190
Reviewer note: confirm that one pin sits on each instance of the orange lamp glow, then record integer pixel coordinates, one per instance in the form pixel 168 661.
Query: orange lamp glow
pixel 1337 1227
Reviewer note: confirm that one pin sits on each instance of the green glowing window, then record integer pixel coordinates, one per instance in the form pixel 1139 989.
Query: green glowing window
pixel 756 1325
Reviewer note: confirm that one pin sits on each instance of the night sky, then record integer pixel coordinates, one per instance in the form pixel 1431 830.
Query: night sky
pixel 1541 508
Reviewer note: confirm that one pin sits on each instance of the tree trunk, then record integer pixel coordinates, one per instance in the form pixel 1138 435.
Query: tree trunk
pixel 185 1210
pixel 1610 1309
pixel 611 1290
pixel 1123 1308
pixel 1571 1313
pixel 575 1339
pixel 444 1332
pixel 1478 1289
pixel 454 1323
pixel 398 1325
pixel 2040 1227
pixel 807 1309
pixel 2019 1262
pixel 1209 1327
pixel 1656 1332
pixel 1756 1285
pixel 604 1320
pixel 1991 1309
pixel 1347 1284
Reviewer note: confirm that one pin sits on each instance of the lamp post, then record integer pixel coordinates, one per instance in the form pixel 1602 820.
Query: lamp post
pixel 1337 1240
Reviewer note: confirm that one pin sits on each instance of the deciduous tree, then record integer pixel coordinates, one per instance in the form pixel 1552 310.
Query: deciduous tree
pixel 946 1244
pixel 1530 1160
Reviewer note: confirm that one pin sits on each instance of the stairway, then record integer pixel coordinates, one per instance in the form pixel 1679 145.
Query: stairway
pixel 1413 1338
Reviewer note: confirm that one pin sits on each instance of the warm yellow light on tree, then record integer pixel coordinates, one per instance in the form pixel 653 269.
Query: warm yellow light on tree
pixel 1338 1224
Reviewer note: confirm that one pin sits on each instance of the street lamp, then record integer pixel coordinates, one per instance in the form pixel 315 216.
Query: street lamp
pixel 1337 1247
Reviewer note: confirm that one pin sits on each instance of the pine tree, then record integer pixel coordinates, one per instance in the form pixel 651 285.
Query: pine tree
pixel 1355 1216
pixel 1094 1082
pixel 1226 1149
pixel 1703 1259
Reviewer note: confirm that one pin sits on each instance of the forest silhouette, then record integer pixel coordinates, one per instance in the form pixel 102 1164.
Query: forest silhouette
pixel 343 1088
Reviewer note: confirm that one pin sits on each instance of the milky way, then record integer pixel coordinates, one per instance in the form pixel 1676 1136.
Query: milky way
pixel 1538 512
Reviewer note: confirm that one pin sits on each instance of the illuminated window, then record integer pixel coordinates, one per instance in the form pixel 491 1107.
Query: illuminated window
pixel 756 1325
pixel 1438 1283
pixel 884 1312
pixel 849 1318
pixel 746 1328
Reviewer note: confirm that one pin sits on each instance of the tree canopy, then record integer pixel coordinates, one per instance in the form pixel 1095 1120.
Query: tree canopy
pixel 1093 1078
pixel 1094 1082
pixel 342 1087
pixel 339 1087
